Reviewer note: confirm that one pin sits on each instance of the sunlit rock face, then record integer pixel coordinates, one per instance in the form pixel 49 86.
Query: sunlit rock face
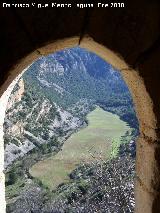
pixel 17 95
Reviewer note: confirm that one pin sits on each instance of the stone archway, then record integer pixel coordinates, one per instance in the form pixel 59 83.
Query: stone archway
pixel 147 181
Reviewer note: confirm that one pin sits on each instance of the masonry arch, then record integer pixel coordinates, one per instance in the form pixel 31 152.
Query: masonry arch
pixel 147 168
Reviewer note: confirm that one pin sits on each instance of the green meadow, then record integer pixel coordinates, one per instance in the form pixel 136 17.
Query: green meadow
pixel 99 140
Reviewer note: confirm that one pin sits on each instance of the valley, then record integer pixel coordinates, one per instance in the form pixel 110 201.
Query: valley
pixel 69 137
pixel 89 144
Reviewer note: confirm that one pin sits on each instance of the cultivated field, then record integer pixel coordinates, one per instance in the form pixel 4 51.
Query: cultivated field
pixel 94 142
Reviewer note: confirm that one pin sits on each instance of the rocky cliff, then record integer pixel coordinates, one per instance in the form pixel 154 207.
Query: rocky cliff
pixel 17 94
pixel 32 120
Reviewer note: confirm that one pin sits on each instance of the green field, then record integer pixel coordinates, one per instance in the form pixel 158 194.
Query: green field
pixel 95 142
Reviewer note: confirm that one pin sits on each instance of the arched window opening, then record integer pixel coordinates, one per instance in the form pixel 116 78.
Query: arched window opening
pixel 69 137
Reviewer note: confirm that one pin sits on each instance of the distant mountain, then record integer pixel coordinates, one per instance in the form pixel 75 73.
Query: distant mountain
pixel 76 73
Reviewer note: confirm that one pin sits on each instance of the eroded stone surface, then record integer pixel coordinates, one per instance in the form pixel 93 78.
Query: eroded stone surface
pixel 147 164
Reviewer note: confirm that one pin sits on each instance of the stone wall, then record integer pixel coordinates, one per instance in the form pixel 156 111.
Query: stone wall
pixel 128 38
pixel 3 106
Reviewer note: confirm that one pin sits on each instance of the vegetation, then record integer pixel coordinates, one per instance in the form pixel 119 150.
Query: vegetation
pixel 106 187
pixel 94 141
pixel 103 187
